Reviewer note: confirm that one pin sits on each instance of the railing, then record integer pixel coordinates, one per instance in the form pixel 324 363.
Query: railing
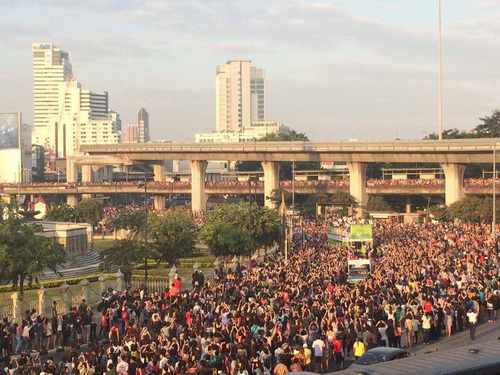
pixel 451 145
pixel 374 186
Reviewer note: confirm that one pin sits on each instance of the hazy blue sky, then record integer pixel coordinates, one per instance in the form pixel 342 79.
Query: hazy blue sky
pixel 336 69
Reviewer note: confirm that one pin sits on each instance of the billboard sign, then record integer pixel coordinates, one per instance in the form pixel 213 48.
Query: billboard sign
pixel 360 233
pixel 9 130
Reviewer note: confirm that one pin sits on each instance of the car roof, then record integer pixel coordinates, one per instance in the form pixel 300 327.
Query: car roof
pixel 385 350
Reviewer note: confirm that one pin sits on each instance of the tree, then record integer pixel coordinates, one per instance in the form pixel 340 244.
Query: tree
pixel 173 234
pixel 225 240
pixel 62 212
pixel 450 134
pixel 278 194
pixel 467 209
pixel 439 212
pixel 290 136
pixel 89 211
pixel 490 128
pixel 378 203
pixel 124 254
pixel 260 223
pixel 129 219
pixel 25 254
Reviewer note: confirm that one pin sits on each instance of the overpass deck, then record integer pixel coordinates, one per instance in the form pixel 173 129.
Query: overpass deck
pixel 422 151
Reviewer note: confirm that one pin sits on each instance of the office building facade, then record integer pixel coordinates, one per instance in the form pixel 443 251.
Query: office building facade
pixel 66 116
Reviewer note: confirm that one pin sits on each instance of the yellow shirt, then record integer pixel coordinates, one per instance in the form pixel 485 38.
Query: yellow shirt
pixel 359 348
pixel 307 354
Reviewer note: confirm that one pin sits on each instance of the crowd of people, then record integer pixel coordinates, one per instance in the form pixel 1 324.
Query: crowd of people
pixel 273 317
pixel 470 183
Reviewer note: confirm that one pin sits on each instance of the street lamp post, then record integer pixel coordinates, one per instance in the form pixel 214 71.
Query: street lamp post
pixel 494 221
pixel 293 189
pixel 440 89
pixel 146 228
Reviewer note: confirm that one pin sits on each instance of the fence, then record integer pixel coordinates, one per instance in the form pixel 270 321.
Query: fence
pixel 65 299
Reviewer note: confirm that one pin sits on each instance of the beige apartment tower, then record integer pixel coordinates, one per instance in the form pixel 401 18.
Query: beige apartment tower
pixel 240 96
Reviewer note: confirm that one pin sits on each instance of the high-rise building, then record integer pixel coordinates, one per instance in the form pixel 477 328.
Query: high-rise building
pixel 240 96
pixel 65 115
pixel 15 148
pixel 130 133
pixel 143 122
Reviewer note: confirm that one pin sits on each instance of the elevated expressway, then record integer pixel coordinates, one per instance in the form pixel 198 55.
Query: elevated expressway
pixel 452 154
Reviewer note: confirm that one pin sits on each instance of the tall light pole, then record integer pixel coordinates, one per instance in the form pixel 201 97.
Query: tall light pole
pixel 293 189
pixel 440 94
pixel 494 221
pixel 146 228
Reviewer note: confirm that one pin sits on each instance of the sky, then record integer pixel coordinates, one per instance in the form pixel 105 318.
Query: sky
pixel 335 70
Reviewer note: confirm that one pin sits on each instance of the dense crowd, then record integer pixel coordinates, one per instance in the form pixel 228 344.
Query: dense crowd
pixel 470 183
pixel 271 317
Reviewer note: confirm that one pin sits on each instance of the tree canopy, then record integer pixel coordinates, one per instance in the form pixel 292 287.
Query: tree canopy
pixel 128 219
pixel 86 211
pixel 61 212
pixel 225 240
pixel 470 208
pixel 25 254
pixel 173 234
pixel 124 254
pixel 260 223
pixel 378 203
pixel 488 128
pixel 89 211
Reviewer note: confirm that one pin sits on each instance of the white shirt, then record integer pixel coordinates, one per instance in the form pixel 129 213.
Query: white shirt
pixel 318 346
pixel 383 335
pixel 472 317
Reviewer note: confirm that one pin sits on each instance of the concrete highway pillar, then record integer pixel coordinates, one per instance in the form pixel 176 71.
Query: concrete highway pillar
pixel 71 170
pixel 71 200
pixel 86 173
pixel 271 180
pixel 198 195
pixel 86 177
pixel 454 182
pixel 159 202
pixel 159 172
pixel 357 186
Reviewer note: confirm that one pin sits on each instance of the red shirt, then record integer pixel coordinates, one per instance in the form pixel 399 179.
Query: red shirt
pixel 337 346
pixel 125 316
pixel 427 306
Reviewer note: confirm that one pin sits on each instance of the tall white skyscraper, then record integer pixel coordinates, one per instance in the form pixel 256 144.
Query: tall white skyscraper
pixel 240 96
pixel 65 115
pixel 52 70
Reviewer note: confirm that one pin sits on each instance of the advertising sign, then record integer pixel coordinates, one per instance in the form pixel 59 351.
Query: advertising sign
pixel 9 130
pixel 360 232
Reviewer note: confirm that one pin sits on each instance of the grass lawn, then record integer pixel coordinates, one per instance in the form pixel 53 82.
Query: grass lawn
pixel 100 245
